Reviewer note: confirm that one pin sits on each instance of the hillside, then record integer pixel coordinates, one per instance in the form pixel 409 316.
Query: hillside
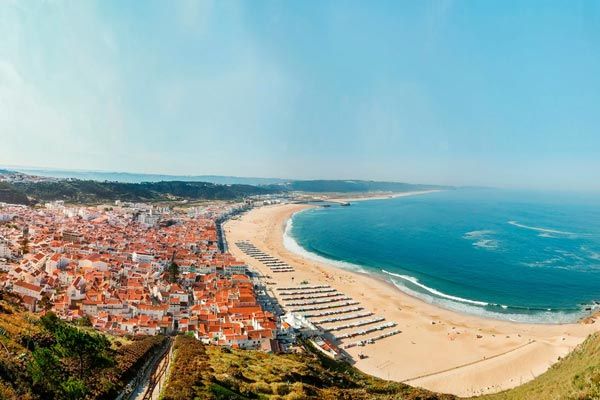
pixel 320 186
pixel 8 194
pixel 87 191
pixel 209 372
pixel 87 187
pixel 129 177
pixel 91 191
pixel 46 359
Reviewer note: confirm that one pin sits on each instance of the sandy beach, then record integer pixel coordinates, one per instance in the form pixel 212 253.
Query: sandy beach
pixel 440 350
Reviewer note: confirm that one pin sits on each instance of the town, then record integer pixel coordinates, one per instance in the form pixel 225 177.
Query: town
pixel 135 269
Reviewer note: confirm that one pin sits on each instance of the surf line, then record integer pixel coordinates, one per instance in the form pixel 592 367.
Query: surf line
pixel 436 292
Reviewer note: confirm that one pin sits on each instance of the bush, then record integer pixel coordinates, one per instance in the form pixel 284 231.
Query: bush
pixel 261 387
pixel 280 388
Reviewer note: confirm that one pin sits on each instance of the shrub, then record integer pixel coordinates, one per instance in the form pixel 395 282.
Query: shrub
pixel 280 388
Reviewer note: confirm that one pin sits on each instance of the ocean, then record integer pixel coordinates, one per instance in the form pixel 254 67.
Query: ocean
pixel 513 255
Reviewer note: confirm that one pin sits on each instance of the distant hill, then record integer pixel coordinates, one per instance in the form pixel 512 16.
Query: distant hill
pixel 86 187
pixel 128 177
pixel 316 186
pixel 9 194
pixel 352 186
pixel 87 191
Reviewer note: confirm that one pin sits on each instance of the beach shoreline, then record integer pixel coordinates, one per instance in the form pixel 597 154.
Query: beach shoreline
pixel 382 196
pixel 382 276
pixel 471 354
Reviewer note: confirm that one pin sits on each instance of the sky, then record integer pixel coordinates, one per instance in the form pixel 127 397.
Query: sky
pixel 499 93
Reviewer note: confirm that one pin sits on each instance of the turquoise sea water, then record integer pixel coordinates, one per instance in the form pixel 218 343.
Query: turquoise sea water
pixel 521 256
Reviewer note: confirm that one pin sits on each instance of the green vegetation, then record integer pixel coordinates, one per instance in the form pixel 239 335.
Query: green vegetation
pixel 25 245
pixel 86 191
pixel 173 272
pixel 90 191
pixel 209 372
pixel 45 358
pixel 9 194
pixel 576 377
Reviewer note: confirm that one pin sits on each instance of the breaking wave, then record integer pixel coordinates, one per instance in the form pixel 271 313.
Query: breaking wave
pixel 546 232
pixel 416 282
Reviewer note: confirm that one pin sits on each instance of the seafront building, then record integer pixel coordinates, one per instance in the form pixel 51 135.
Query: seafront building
pixel 113 265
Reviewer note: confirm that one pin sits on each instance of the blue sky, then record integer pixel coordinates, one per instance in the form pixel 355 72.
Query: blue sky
pixel 452 92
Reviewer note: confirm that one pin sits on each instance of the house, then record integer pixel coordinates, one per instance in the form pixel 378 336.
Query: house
pixel 27 289
pixel 56 261
pixel 235 269
pixel 142 257
pixel 5 251
pixel 76 290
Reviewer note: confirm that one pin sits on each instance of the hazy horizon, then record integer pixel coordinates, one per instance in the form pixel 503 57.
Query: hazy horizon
pixel 445 92
pixel 63 173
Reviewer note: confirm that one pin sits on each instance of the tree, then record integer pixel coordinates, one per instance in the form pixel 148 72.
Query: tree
pixel 46 370
pixel 25 245
pixel 63 367
pixel 83 321
pixel 50 321
pixel 87 349
pixel 173 272
pixel 74 389
pixel 45 302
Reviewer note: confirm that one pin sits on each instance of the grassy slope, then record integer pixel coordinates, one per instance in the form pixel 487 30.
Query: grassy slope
pixel 214 373
pixel 22 332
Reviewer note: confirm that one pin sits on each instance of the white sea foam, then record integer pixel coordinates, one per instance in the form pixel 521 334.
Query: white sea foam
pixel 476 234
pixel 416 282
pixel 481 239
pixel 545 231
pixel 486 244
pixel 539 317
pixel 591 254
